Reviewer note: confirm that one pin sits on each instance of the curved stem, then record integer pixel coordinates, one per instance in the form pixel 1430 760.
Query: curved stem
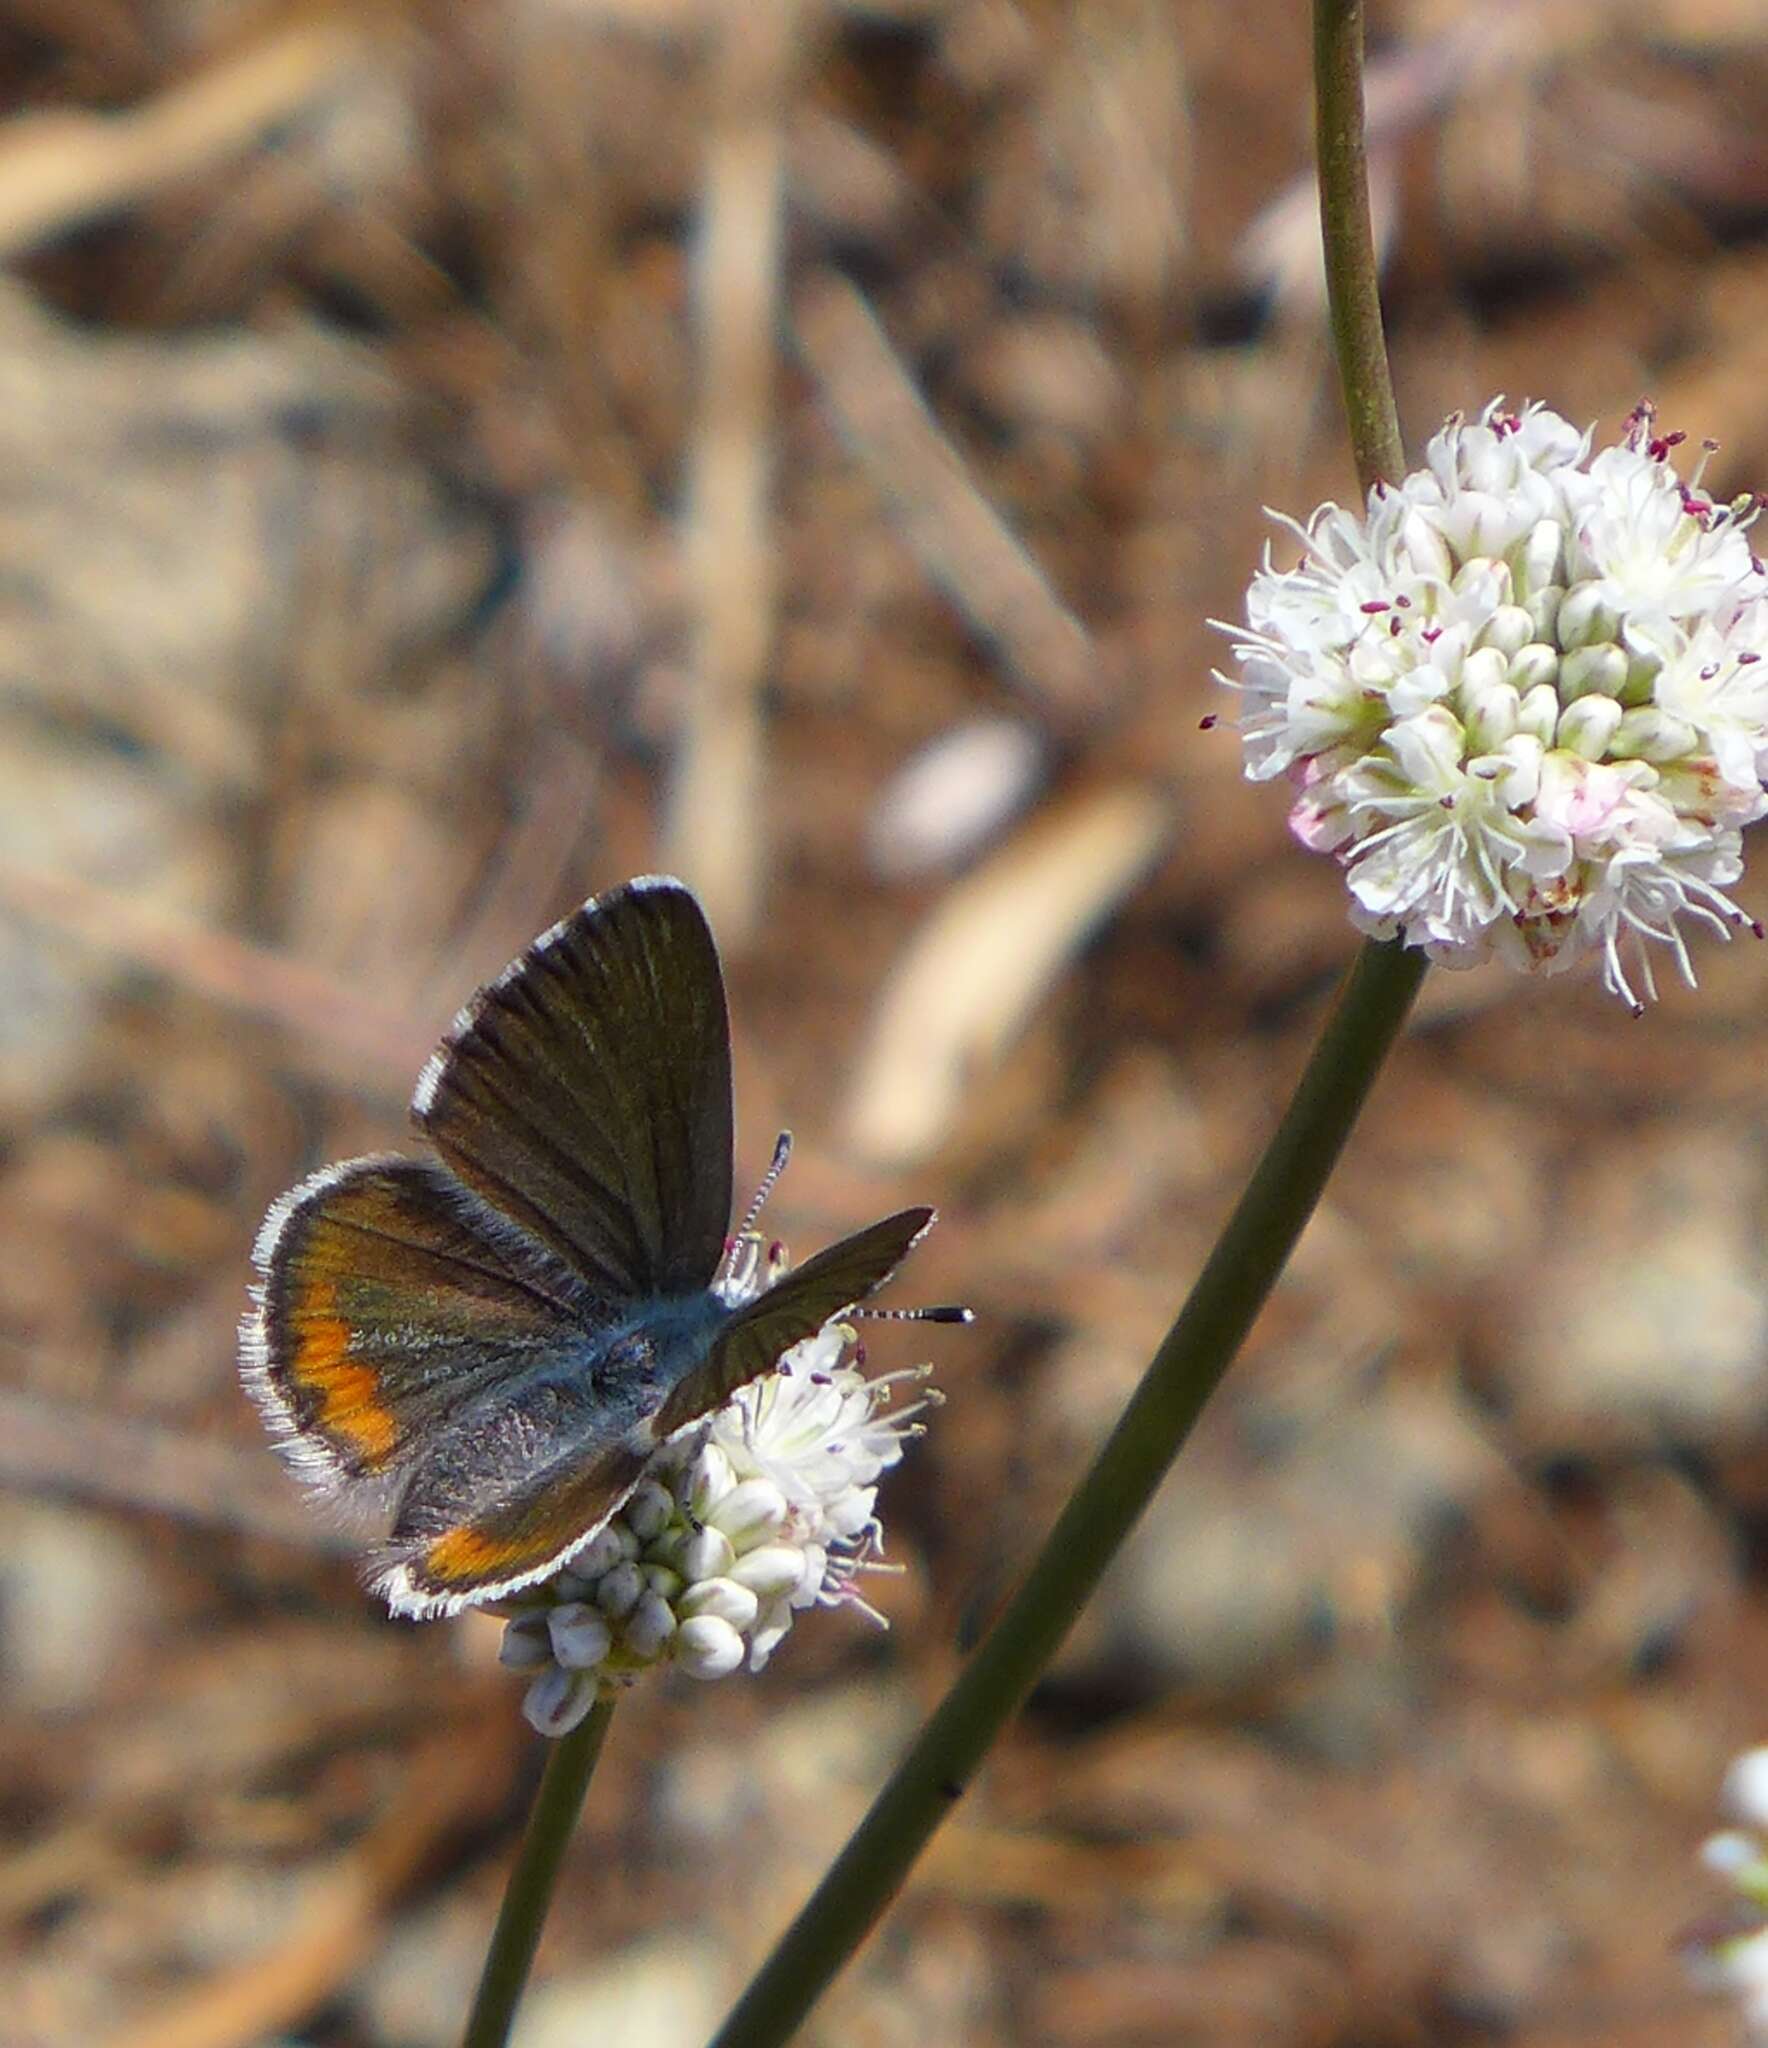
pixel 557 1802
pixel 1240 1272
pixel 1353 285
pixel 1185 1371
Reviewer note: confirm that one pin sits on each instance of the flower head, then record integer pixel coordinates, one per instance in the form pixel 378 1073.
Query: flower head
pixel 1523 699
pixel 739 1524
pixel 1729 1953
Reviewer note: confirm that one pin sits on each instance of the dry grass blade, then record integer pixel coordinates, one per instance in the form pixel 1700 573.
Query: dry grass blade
pixel 978 967
pixel 60 171
pixel 245 977
pixel 957 535
pixel 530 869
pixel 715 814
pixel 123 1461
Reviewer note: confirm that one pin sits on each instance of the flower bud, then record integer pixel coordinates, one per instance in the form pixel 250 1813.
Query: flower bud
pixel 1543 610
pixel 1601 668
pixel 1535 664
pixel 648 1510
pixel 706 1553
pixel 1539 715
pixel 1484 669
pixel 769 1571
pixel 605 1549
pixel 1644 666
pixel 580 1637
pixel 527 1643
pixel 1652 734
pixel 1491 716
pixel 705 1482
pixel 558 1700
pixel 1587 726
pixel 619 1590
pixel 727 1599
pixel 1509 628
pixel 648 1627
pixel 706 1647
pixel 661 1580
pixel 1484 582
pixel 1586 616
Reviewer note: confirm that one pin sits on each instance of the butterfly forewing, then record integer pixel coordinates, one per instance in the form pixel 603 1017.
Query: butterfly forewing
pixel 586 1093
pixel 390 1298
pixel 759 1334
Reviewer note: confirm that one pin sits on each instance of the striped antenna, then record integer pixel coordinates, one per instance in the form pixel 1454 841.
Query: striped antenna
pixel 948 1313
pixel 782 1151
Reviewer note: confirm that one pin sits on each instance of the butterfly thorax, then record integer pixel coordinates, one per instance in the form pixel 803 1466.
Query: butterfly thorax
pixel 646 1356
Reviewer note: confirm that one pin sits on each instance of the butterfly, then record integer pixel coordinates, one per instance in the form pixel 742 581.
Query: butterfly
pixel 496 1341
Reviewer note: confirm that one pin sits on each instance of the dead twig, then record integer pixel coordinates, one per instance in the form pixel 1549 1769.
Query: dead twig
pixel 980 964
pixel 956 534
pixel 61 171
pixel 716 810
pixel 125 1461
pixel 247 978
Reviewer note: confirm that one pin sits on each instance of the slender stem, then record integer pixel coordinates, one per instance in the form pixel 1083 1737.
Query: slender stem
pixel 1235 1282
pixel 557 1803
pixel 1185 1371
pixel 1353 286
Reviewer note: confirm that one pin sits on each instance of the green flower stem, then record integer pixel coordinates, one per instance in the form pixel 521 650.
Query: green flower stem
pixel 1353 286
pixel 1185 1371
pixel 557 1803
pixel 1240 1273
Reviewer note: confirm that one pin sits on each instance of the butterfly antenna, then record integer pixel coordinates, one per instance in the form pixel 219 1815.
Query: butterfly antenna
pixel 782 1151
pixel 949 1312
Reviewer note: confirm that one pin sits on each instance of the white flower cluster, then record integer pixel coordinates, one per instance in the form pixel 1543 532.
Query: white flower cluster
pixel 1732 1955
pixel 1523 698
pixel 768 1508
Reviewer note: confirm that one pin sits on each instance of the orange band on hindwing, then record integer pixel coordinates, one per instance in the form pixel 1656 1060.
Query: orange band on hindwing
pixel 463 1556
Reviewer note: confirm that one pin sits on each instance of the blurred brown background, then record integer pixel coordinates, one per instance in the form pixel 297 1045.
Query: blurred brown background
pixel 453 456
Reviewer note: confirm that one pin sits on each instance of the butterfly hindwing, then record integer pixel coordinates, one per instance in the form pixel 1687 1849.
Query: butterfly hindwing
pixel 505 1497
pixel 759 1334
pixel 389 1297
pixel 523 1483
pixel 586 1093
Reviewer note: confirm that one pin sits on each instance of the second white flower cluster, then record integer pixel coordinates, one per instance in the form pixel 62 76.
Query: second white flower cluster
pixel 1523 699
pixel 769 1509
pixel 1730 1953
